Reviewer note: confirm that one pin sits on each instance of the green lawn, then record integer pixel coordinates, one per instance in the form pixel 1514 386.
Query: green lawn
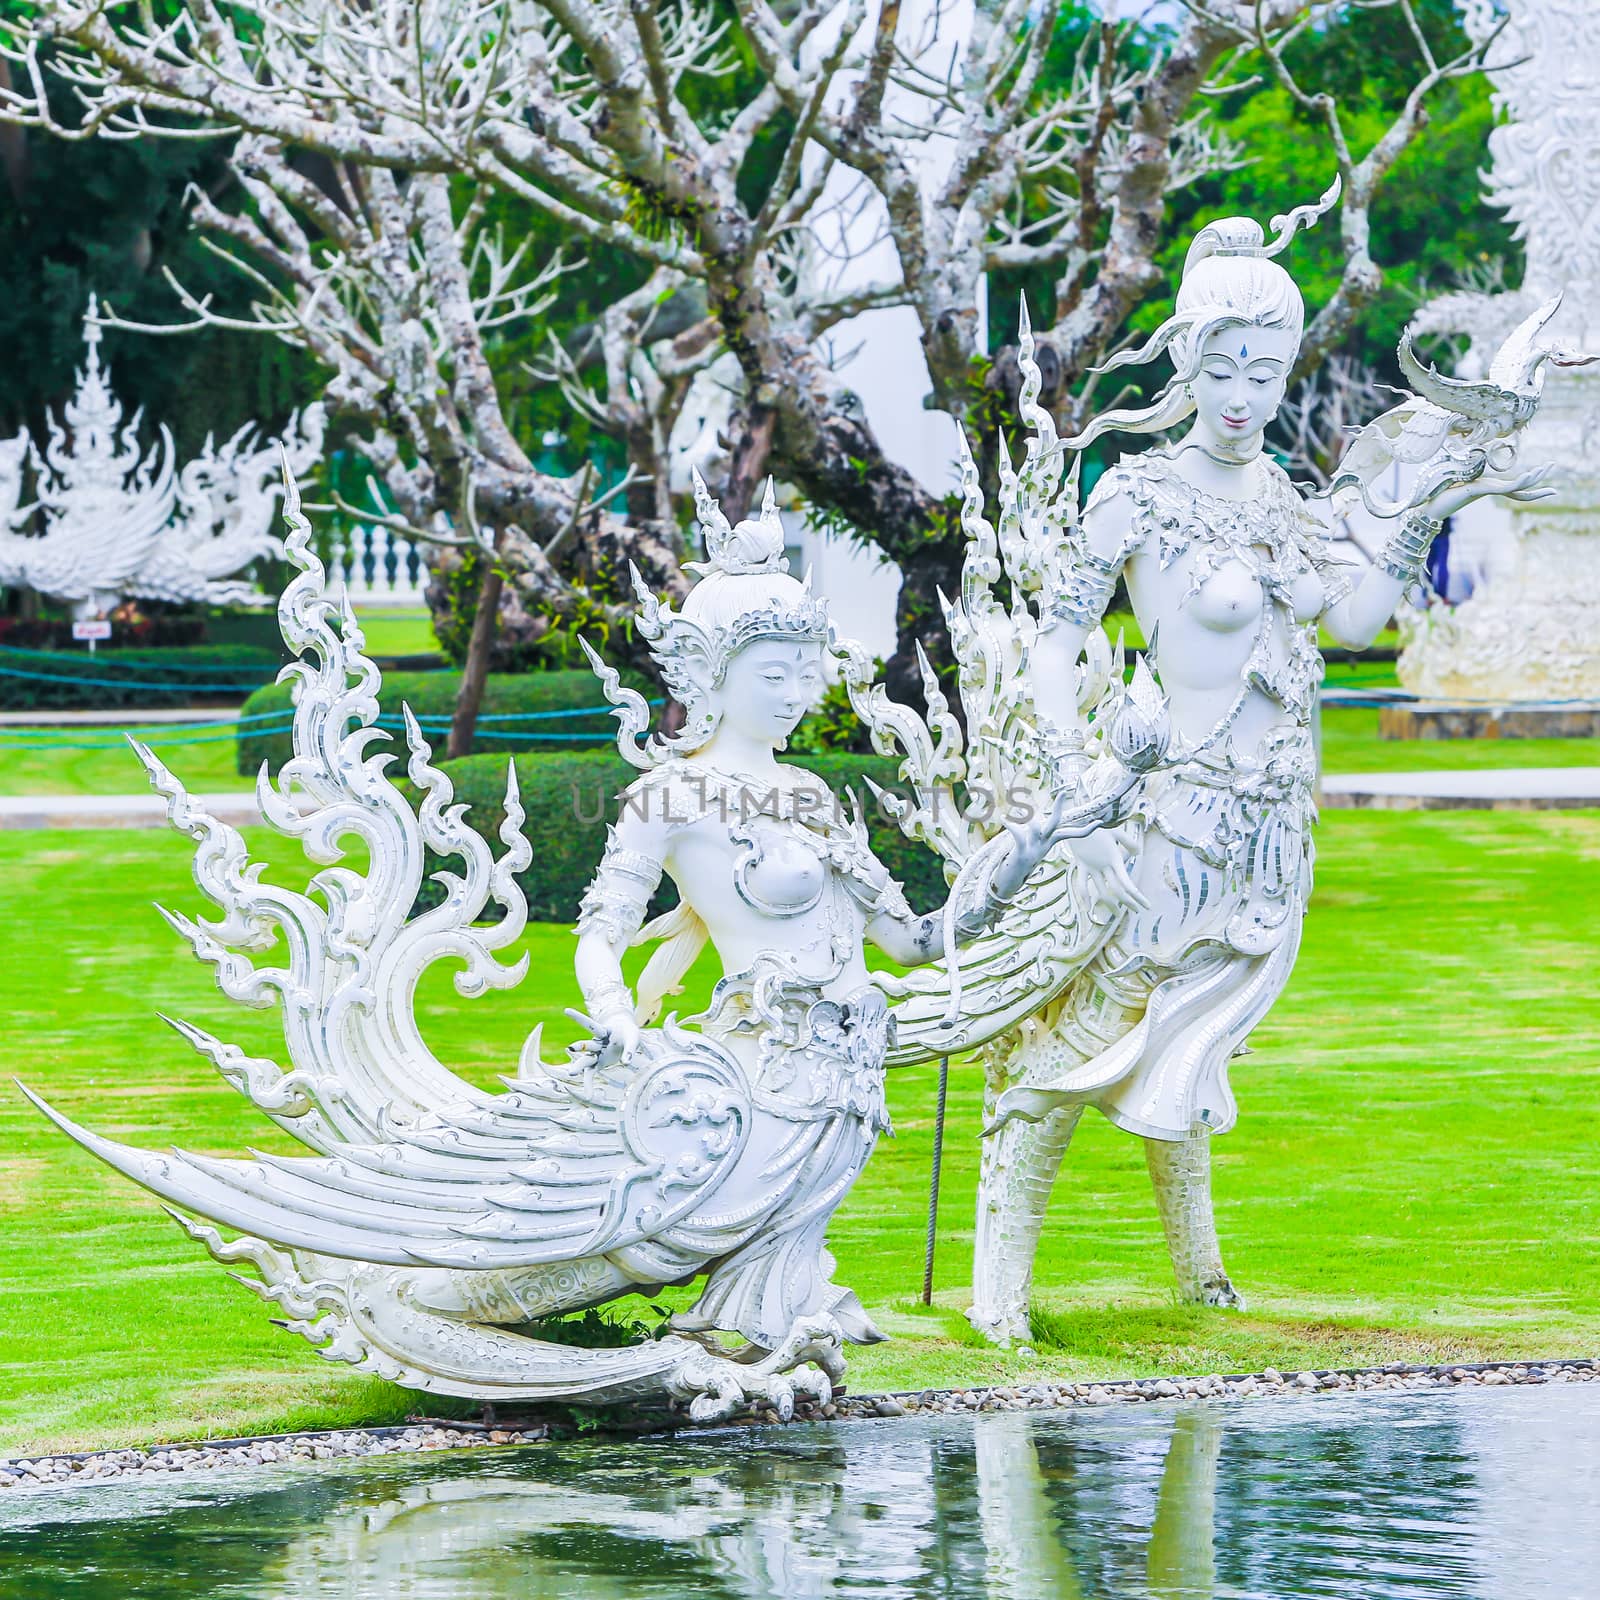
pixel 98 761
pixel 392 631
pixel 1350 743
pixel 1413 1175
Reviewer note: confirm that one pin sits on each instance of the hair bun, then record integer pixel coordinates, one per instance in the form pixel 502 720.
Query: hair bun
pixel 1229 236
pixel 1241 236
pixel 753 545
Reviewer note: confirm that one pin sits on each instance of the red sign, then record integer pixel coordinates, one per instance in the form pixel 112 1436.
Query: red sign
pixel 91 630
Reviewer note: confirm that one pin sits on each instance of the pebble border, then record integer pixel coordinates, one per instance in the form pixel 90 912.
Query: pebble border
pixel 24 1473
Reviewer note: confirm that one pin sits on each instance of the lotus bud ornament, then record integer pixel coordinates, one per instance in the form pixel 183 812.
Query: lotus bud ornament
pixel 1141 729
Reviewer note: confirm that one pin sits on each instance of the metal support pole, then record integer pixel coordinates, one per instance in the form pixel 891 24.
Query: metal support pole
pixel 933 1182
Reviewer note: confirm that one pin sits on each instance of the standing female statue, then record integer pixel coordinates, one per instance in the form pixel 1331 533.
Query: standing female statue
pixel 1199 899
pixel 434 1224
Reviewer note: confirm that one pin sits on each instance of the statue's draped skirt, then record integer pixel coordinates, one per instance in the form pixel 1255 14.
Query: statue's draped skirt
pixel 818 1110
pixel 1146 1031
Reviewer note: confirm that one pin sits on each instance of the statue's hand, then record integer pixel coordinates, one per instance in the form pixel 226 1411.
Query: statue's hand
pixel 618 1040
pixel 1529 485
pixel 617 1036
pixel 1102 853
pixel 1031 841
pixel 1034 838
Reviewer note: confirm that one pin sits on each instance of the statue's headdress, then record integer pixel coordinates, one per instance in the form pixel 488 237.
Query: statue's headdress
pixel 745 593
pixel 1240 236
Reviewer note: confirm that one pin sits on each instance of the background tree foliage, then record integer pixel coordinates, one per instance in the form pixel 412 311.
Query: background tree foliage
pixel 1429 223
pixel 107 218
pixel 115 219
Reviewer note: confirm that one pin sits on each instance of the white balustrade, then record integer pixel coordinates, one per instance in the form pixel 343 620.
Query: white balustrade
pixel 379 568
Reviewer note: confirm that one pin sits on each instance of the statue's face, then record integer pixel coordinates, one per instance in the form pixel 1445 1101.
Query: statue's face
pixel 1240 384
pixel 768 687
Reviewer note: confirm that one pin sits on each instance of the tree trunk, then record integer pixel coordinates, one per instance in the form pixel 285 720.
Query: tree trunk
pixel 475 669
pixel 749 461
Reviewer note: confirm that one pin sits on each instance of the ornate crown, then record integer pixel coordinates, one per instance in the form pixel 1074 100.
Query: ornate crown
pixel 693 657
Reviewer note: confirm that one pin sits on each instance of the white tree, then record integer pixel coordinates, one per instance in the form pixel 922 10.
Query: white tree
pixel 367 138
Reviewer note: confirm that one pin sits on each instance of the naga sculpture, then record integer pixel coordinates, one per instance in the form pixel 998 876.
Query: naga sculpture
pixel 1129 979
pixel 122 523
pixel 433 1225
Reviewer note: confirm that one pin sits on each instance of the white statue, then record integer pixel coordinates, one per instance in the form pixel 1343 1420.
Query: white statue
pixel 1530 630
pixel 1128 980
pixel 121 523
pixel 434 1221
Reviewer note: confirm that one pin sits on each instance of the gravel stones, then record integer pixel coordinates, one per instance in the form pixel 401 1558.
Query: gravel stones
pixel 25 1474
pixel 1397 1377
pixel 69 1470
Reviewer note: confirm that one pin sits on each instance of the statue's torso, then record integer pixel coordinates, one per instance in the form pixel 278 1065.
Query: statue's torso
pixel 784 880
pixel 1229 591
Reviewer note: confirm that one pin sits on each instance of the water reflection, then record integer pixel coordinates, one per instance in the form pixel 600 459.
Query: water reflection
pixel 1381 1499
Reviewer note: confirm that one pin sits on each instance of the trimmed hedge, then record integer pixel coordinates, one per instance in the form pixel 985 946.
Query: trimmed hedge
pixel 432 697
pixel 570 799
pixel 38 680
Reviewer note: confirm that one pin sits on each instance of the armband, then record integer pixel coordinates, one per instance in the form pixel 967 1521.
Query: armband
pixel 1405 552
pixel 608 1000
pixel 614 904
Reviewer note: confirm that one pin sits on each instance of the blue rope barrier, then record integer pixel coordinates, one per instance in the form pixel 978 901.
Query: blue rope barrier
pixel 535 716
pixel 246 688
pixel 135 683
pixel 162 732
pixel 115 738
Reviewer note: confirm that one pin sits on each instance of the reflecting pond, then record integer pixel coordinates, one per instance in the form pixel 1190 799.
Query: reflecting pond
pixel 1489 1493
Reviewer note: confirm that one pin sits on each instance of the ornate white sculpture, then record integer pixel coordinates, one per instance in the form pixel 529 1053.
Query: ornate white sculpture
pixel 434 1220
pixel 1531 631
pixel 121 523
pixel 435 1223
pixel 1129 978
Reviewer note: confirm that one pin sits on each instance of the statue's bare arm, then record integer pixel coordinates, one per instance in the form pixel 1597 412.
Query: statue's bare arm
pixel 914 940
pixel 1356 620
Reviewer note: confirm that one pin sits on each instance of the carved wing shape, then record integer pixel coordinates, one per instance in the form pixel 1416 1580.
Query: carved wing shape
pixel 1039 946
pixel 563 1166
pixel 412 1164
pixel 963 783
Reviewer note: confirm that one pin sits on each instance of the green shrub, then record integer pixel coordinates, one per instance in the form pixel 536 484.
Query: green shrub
pixel 832 727
pixel 37 680
pixel 569 799
pixel 432 697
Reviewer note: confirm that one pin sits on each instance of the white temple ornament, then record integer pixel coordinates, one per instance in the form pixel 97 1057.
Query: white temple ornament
pixel 121 523
pixel 1530 628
